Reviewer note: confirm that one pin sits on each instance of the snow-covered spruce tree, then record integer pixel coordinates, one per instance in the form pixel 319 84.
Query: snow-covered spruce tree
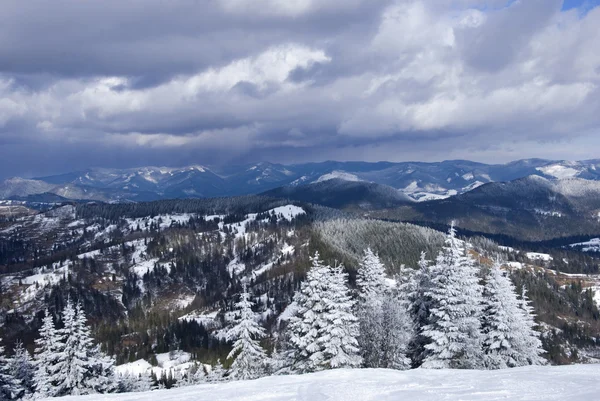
pixel 249 358
pixel 281 360
pixel 338 338
pixel 49 354
pixel 217 373
pixel 308 323
pixel 529 341
pixel 197 374
pixel 194 375
pixel 453 328
pixel 98 368
pixel 415 288
pixel 370 281
pixel 502 321
pixel 371 317
pixel 397 331
pixel 10 387
pixel 22 369
pixel 131 383
pixel 83 369
pixel 323 332
pixel 385 327
pixel 370 277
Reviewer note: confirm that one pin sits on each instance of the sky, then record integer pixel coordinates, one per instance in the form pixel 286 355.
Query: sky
pixel 118 83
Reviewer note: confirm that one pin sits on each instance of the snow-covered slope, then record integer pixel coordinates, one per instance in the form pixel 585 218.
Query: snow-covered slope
pixel 22 187
pixel 592 245
pixel 567 383
pixel 342 175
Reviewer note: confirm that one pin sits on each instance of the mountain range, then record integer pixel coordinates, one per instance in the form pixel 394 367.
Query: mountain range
pixel 416 181
pixel 532 208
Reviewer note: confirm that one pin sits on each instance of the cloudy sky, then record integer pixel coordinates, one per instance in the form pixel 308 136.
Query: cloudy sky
pixel 116 83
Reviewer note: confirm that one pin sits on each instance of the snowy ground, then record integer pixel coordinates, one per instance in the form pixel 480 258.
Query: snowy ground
pixel 566 383
pixel 592 245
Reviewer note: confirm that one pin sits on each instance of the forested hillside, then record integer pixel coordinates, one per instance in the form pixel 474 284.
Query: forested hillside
pixel 160 282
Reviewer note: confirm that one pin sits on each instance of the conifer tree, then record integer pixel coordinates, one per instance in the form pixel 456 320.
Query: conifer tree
pixel 131 383
pixel 281 360
pixel 10 387
pixel 453 327
pixel 397 331
pixel 385 327
pixel 509 338
pixel 323 332
pixel 23 370
pixel 338 338
pixel 370 314
pixel 248 355
pixel 97 368
pixel 217 373
pixel 529 343
pixel 370 277
pixel 501 321
pixel 198 375
pixel 48 356
pixel 308 323
pixel 83 369
pixel 416 288
pixel 194 375
pixel 370 281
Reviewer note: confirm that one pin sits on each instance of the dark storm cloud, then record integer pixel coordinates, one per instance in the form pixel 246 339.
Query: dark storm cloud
pixel 152 38
pixel 124 83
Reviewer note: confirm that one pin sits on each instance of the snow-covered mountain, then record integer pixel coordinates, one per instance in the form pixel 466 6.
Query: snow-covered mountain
pixel 532 208
pixel 333 190
pixel 420 181
pixel 23 187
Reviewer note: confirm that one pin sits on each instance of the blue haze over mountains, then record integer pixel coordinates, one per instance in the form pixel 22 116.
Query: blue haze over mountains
pixel 419 181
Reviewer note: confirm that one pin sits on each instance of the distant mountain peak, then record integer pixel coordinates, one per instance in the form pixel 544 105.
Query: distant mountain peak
pixel 336 174
pixel 419 180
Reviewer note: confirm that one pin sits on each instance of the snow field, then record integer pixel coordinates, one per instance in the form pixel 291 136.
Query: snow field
pixel 338 175
pixel 539 256
pixel 592 245
pixel 564 383
pixel 178 362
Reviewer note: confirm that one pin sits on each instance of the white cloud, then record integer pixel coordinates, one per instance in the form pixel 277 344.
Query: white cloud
pixel 271 67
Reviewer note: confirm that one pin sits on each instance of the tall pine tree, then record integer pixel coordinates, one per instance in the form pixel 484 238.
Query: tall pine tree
pixel 10 387
pixel 385 327
pixel 338 337
pixel 453 327
pixel 21 366
pixel 249 358
pixel 323 332
pixel 501 321
pixel 416 288
pixel 370 277
pixel 307 325
pixel 370 281
pixel 48 357
pixel 81 368
pixel 509 338
pixel 529 343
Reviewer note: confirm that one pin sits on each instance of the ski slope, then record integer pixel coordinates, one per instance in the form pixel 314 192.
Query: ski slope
pixel 565 383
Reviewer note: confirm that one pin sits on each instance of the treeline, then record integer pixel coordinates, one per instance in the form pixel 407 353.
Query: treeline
pixel 210 206
pixel 397 244
pixel 451 313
